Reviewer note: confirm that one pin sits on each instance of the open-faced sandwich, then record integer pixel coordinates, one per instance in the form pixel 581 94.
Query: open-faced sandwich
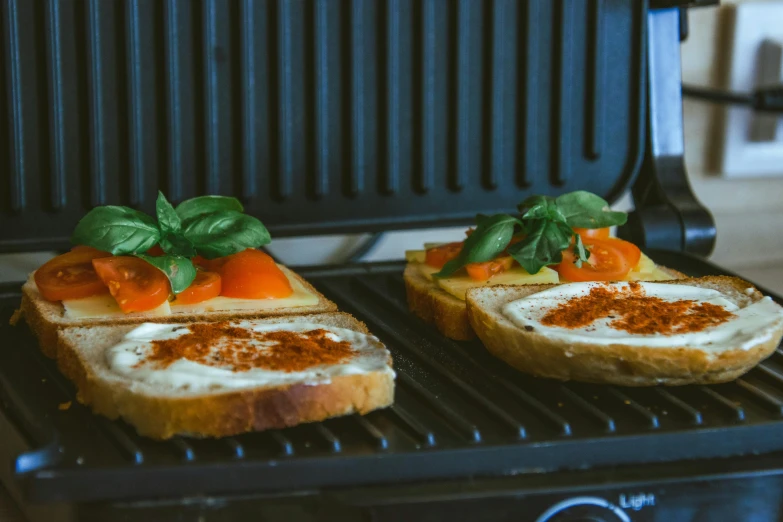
pixel 228 377
pixel 698 330
pixel 180 326
pixel 552 240
pixel 196 262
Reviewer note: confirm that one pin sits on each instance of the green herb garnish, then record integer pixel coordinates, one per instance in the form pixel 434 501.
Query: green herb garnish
pixel 491 237
pixel 544 229
pixel 210 226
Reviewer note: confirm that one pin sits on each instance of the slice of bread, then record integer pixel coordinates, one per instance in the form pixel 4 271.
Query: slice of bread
pixel 445 311
pixel 45 318
pixel 625 365
pixel 162 412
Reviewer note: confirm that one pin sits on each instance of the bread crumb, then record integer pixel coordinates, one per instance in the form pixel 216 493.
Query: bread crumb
pixel 559 404
pixel 627 402
pixel 64 406
pixel 15 317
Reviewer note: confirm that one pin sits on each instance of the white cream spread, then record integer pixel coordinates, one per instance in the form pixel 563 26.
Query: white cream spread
pixel 129 359
pixel 749 325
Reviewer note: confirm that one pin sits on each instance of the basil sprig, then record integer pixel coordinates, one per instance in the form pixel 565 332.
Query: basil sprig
pixel 194 208
pixel 544 230
pixel 210 226
pixel 491 236
pixel 178 269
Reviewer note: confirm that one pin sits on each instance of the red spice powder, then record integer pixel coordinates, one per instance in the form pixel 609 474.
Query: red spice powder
pixel 634 312
pixel 220 344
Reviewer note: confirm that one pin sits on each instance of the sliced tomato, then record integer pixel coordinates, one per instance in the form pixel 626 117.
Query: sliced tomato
pixel 205 286
pixel 85 248
pixel 136 285
pixel 71 275
pixel 598 233
pixel 252 274
pixel 483 271
pixel 440 255
pixel 630 251
pixel 210 265
pixel 607 262
pixel 155 251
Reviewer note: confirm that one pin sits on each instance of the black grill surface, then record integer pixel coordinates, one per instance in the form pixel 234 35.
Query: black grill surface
pixel 458 413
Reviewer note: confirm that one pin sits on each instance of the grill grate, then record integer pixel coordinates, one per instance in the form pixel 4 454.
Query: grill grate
pixel 458 412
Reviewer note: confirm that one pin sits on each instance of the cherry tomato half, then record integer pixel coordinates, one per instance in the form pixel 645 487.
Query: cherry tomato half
pixel 438 256
pixel 607 262
pixel 136 285
pixel 205 286
pixel 483 271
pixel 71 275
pixel 252 274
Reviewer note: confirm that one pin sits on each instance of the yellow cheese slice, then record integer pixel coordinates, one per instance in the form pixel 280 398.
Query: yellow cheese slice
pixel 656 274
pixel 645 270
pixel 415 256
pixel 300 297
pixel 100 306
pixel 105 305
pixel 645 264
pixel 458 286
pixel 427 271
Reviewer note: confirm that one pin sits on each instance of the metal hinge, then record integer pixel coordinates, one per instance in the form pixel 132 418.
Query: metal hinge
pixel 668 215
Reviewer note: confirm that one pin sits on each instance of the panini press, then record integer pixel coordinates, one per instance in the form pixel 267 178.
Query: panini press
pixel 364 116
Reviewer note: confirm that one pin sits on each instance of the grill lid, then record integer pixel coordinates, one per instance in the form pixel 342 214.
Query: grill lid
pixel 321 116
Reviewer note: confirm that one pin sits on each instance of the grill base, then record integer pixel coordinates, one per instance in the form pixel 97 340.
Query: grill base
pixel 459 413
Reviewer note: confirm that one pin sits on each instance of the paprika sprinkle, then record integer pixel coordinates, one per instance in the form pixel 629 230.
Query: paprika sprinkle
pixel 240 349
pixel 636 313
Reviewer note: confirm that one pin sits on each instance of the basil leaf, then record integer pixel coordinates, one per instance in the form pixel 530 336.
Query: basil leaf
pixel 542 207
pixel 178 269
pixel 193 208
pixel 481 218
pixel 580 252
pixel 168 219
pixel 226 232
pixel 178 245
pixel 583 209
pixel 532 202
pixel 117 230
pixel 491 236
pixel 542 246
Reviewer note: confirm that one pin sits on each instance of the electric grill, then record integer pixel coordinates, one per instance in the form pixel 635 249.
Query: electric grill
pixel 366 116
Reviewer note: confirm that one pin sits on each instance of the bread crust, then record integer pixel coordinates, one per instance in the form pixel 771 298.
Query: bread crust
pixel 436 306
pixel 230 412
pixel 618 364
pixel 446 312
pixel 45 318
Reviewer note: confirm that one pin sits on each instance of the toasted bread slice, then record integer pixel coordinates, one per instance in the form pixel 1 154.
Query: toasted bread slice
pixel 534 353
pixel 447 312
pixel 162 411
pixel 45 318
